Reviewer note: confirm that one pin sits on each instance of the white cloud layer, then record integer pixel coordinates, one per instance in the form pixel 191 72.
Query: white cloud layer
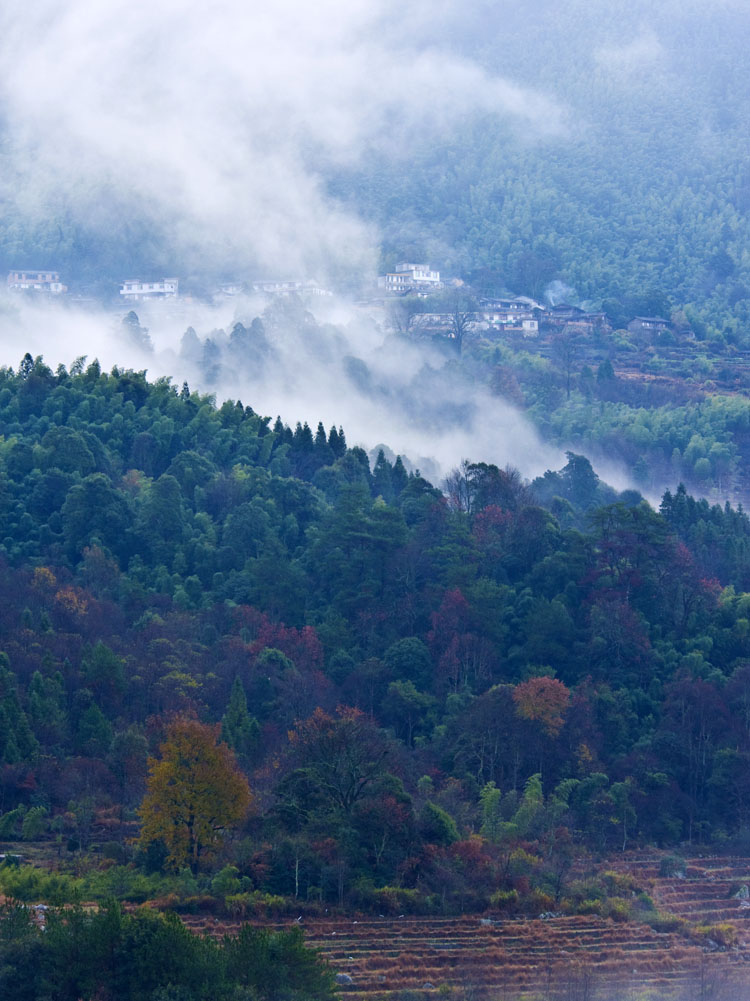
pixel 216 119
pixel 404 396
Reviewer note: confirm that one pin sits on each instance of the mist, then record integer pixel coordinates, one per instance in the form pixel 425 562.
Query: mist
pixel 201 138
pixel 140 136
pixel 165 138
pixel 340 368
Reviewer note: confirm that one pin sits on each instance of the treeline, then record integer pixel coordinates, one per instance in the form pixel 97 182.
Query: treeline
pixel 77 955
pixel 432 696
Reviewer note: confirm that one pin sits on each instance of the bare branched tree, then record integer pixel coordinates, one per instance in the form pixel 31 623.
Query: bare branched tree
pixel 473 486
pixel 565 350
pixel 404 313
pixel 462 316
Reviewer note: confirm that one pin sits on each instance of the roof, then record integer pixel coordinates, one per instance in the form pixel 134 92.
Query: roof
pixel 33 271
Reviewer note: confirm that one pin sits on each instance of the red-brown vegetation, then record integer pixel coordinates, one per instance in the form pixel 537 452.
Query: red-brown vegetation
pixel 516 956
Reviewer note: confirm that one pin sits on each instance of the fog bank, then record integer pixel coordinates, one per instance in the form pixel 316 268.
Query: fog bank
pixel 382 390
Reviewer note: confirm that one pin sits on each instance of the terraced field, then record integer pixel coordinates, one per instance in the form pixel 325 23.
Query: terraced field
pixel 575 958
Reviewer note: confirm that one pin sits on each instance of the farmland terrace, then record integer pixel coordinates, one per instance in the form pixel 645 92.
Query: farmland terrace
pixel 375 957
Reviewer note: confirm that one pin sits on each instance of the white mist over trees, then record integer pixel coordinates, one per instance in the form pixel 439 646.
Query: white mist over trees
pixel 169 132
pixel 598 146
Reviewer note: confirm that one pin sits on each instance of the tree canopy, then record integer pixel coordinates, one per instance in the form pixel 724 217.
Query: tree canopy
pixel 195 792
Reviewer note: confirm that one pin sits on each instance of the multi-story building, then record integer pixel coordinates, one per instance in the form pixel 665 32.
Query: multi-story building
pixel 36 281
pixel 410 278
pixel 133 289
pixel 285 288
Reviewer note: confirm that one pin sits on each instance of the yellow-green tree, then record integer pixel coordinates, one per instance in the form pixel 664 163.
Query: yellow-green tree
pixel 195 793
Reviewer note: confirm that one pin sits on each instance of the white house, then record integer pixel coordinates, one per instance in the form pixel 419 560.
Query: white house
pixel 284 288
pixel 230 288
pixel 134 289
pixel 36 281
pixel 410 278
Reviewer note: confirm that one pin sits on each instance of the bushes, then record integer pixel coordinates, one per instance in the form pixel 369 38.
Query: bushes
pixel 121 882
pixel 145 955
pixel 664 922
pixel 536 902
pixel 612 895
pixel 390 900
pixel 28 883
pixel 257 904
pixel 672 865
pixel 723 934
pixel 505 901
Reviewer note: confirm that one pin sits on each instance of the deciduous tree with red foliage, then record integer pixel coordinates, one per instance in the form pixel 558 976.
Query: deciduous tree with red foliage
pixel 544 701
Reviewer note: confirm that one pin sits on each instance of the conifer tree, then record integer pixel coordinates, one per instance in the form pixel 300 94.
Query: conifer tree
pixel 238 728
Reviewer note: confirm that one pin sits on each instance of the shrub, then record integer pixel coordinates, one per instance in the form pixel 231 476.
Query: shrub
pixel 226 881
pixel 587 907
pixel 661 921
pixel 617 909
pixel 505 900
pixel 581 890
pixel 256 903
pixel 365 896
pixel 31 884
pixel 115 851
pixel 672 865
pixel 34 823
pixel 724 934
pixel 619 884
pixel 536 902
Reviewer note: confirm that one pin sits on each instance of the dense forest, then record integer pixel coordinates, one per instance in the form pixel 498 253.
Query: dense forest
pixel 420 700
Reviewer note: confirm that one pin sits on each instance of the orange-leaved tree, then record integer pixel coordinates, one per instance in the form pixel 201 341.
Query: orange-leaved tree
pixel 544 701
pixel 195 793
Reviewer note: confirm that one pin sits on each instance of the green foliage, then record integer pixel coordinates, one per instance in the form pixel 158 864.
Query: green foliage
pixel 671 865
pixel 238 728
pixel 437 826
pixel 146 956
pixel 28 883
pixel 346 632
pixel 34 822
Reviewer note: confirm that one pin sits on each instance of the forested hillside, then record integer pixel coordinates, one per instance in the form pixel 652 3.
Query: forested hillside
pixel 435 700
pixel 667 409
pixel 636 195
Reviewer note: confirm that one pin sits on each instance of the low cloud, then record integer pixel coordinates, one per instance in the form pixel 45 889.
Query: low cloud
pixel 636 56
pixel 213 125
pixel 410 397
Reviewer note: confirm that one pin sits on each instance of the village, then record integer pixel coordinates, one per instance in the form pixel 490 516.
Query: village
pixel 411 299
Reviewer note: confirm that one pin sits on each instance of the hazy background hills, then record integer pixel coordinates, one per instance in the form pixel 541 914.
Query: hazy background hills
pixel 603 145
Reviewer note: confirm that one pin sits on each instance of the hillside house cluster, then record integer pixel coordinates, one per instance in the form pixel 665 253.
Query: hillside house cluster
pixel 519 315
pixel 36 280
pixel 135 290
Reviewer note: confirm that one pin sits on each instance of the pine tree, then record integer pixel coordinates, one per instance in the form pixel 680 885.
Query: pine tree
pixel 238 728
